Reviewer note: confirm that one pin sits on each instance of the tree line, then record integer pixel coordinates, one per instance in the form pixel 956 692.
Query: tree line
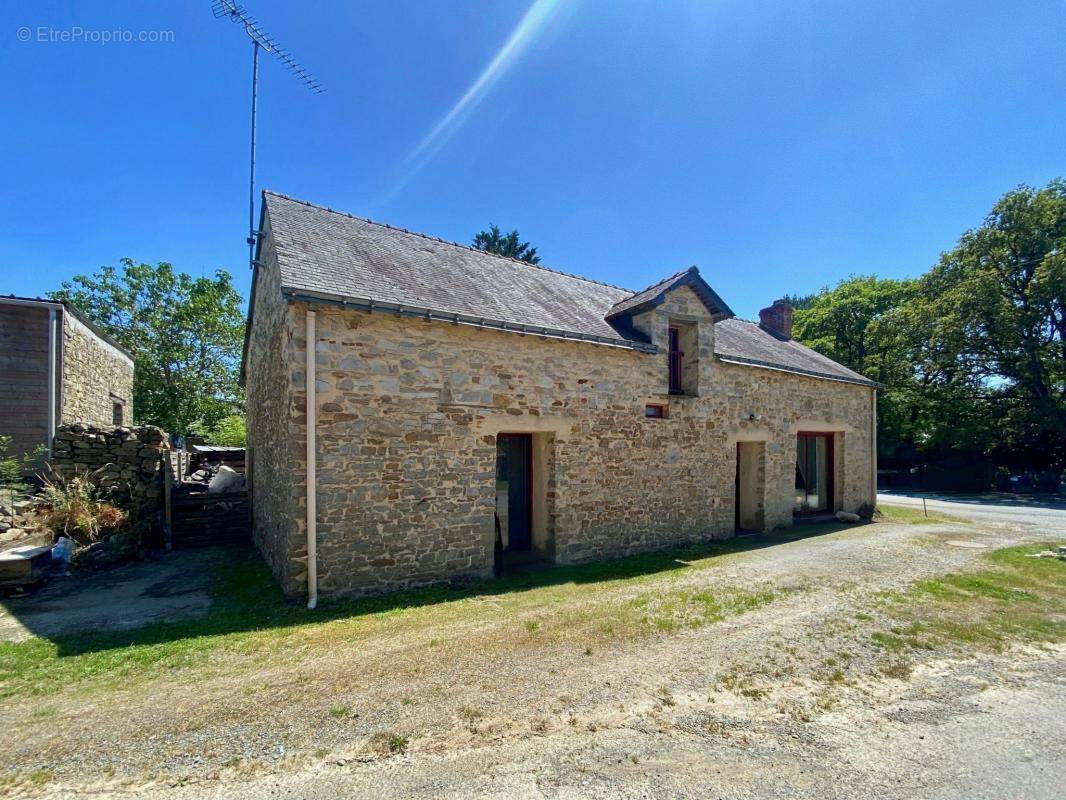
pixel 973 352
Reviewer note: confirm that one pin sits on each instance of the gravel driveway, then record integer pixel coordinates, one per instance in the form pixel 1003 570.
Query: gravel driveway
pixel 749 707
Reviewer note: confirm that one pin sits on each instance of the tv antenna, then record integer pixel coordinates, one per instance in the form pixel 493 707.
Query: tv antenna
pixel 261 40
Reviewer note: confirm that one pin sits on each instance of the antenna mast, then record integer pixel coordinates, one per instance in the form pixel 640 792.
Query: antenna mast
pixel 260 39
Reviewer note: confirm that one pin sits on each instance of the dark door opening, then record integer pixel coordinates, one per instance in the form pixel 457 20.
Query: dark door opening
pixel 748 488
pixel 675 361
pixel 514 491
pixel 814 474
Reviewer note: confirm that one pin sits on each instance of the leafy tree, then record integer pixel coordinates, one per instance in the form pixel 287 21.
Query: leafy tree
pixel 853 323
pixel 185 335
pixel 840 322
pixel 800 302
pixel 992 322
pixel 493 241
pixel 973 353
pixel 229 431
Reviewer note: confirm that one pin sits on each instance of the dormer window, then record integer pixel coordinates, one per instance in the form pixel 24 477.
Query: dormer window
pixel 682 355
pixel 677 357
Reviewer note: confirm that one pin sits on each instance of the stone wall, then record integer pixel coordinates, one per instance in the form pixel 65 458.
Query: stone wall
pixel 273 447
pixel 95 375
pixel 126 461
pixel 409 411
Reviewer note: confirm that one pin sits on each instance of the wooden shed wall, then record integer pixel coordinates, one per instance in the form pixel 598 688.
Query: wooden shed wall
pixel 24 375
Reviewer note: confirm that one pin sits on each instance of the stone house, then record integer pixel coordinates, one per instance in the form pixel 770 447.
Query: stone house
pixel 468 409
pixel 57 368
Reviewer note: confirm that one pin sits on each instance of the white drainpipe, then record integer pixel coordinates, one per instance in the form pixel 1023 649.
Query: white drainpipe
pixel 312 511
pixel 51 377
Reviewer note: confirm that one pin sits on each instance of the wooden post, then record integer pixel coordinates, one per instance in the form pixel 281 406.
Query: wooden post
pixel 167 489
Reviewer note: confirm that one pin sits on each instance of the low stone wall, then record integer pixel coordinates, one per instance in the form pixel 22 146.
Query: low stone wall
pixel 129 462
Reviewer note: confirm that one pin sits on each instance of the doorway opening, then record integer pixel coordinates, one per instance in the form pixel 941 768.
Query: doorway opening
pixel 514 492
pixel 749 498
pixel 814 474
pixel 525 499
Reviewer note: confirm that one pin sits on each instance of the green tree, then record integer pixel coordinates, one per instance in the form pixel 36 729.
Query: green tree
pixel 853 323
pixel 800 302
pixel 230 431
pixel 841 322
pixel 493 241
pixel 185 335
pixel 973 353
pixel 991 320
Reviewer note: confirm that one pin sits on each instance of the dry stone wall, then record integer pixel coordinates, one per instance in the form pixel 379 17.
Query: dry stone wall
pixel 409 411
pixel 126 461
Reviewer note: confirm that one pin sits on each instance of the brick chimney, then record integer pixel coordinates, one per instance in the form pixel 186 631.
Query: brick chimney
pixel 777 319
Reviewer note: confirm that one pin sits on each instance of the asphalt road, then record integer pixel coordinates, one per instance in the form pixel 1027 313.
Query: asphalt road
pixel 1045 514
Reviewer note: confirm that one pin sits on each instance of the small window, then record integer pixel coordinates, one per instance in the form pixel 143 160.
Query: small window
pixel 683 358
pixel 655 411
pixel 116 413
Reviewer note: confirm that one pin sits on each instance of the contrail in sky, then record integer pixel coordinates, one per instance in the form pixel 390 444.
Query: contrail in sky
pixel 524 35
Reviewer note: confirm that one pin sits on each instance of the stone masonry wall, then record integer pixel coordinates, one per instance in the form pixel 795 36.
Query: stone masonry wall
pixel 409 411
pixel 95 373
pixel 127 461
pixel 273 447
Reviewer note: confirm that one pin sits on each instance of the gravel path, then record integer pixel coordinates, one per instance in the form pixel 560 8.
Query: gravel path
pixel 740 708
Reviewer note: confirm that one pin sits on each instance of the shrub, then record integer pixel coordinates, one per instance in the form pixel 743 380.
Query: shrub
pixel 13 469
pixel 76 510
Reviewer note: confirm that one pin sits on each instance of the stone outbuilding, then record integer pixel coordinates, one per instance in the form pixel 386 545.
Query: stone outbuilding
pixel 57 368
pixel 419 410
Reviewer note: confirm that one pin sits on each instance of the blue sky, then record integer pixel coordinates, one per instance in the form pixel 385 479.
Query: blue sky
pixel 778 146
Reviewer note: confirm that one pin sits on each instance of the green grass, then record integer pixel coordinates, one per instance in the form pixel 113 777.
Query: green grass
pixel 908 515
pixel 388 743
pixel 1012 598
pixel 249 618
pixel 670 611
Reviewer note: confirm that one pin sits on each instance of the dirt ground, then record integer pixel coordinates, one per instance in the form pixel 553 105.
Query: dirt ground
pixel 788 699
pixel 174 587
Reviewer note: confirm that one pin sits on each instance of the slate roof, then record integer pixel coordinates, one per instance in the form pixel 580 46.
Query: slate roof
pixel 742 342
pixel 653 295
pixel 330 255
pixel 334 254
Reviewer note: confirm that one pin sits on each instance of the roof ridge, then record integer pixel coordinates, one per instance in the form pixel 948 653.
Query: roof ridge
pixel 658 283
pixel 369 221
